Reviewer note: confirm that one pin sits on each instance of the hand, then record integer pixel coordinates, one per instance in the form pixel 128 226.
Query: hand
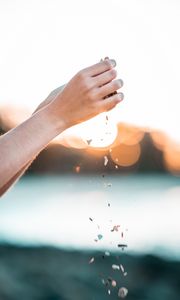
pixel 85 95
pixel 49 98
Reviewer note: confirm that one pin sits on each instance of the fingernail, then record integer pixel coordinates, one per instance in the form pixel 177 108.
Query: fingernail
pixel 121 82
pixel 120 96
pixel 112 62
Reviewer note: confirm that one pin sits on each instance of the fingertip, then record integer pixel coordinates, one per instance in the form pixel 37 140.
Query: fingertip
pixel 120 97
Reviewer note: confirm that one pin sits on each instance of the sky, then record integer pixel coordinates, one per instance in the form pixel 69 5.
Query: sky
pixel 45 42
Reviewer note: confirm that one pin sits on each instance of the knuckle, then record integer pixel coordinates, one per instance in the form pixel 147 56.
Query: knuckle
pixel 113 73
pixel 107 63
pixel 81 75
pixel 92 95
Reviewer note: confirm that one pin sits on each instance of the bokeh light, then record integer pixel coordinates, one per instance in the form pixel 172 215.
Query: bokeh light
pixel 125 155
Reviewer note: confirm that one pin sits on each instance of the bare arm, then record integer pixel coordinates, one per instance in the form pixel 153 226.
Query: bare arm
pixel 23 170
pixel 81 99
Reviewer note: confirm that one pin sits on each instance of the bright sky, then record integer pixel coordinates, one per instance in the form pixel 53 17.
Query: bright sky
pixel 45 42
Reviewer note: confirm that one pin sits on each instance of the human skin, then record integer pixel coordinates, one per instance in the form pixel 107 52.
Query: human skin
pixel 81 99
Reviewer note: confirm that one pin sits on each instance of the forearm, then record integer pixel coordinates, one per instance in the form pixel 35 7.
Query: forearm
pixel 15 178
pixel 22 144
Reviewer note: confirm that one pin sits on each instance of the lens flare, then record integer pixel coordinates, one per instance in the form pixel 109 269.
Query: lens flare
pixel 125 155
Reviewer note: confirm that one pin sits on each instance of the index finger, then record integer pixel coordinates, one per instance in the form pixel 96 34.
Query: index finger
pixel 101 67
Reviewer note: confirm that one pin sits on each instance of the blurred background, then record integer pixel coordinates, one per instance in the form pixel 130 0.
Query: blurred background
pixel 107 191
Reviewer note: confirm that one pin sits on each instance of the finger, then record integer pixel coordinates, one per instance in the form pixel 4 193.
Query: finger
pixel 110 88
pixel 105 77
pixel 111 102
pixel 100 67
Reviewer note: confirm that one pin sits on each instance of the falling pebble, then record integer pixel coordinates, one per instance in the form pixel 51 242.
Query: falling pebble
pixel 100 236
pixel 122 246
pixel 103 281
pixel 115 228
pixel 107 253
pixel 109 204
pixel 109 184
pixel 125 273
pixel 96 240
pixel 115 267
pixel 116 167
pixel 113 283
pixel 89 141
pixel 77 169
pixel 122 235
pixel 122 293
pixel 109 292
pixel 107 118
pixel 91 260
pixel 91 219
pixel 122 268
pixel 105 160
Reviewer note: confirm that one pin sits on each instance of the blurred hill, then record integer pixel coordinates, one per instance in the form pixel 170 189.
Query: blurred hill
pixel 44 273
pixel 135 149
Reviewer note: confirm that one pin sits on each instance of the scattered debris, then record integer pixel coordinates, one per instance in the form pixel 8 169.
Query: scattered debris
pixel 91 219
pixel 105 160
pixel 103 281
pixel 122 293
pixel 113 283
pixel 89 141
pixel 91 260
pixel 122 246
pixel 107 253
pixel 100 236
pixel 115 267
pixel 116 167
pixel 115 228
pixel 77 169
pixel 122 268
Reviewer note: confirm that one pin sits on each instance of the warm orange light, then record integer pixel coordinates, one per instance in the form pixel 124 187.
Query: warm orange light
pixel 160 139
pixel 129 135
pixel 71 141
pixel 125 155
pixel 172 158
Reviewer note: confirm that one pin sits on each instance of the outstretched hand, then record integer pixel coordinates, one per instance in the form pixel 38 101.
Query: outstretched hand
pixel 85 95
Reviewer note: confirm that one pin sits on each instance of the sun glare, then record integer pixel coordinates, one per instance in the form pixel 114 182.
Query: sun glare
pixel 99 132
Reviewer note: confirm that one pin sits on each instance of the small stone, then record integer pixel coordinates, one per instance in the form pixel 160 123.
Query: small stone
pixel 91 260
pixel 122 268
pixel 122 293
pixel 115 267
pixel 105 160
pixel 100 236
pixel 113 283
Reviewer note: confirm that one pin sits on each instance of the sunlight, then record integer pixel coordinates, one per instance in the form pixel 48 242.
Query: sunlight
pixel 99 132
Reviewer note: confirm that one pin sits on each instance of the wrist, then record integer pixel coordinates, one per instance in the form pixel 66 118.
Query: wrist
pixel 54 121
